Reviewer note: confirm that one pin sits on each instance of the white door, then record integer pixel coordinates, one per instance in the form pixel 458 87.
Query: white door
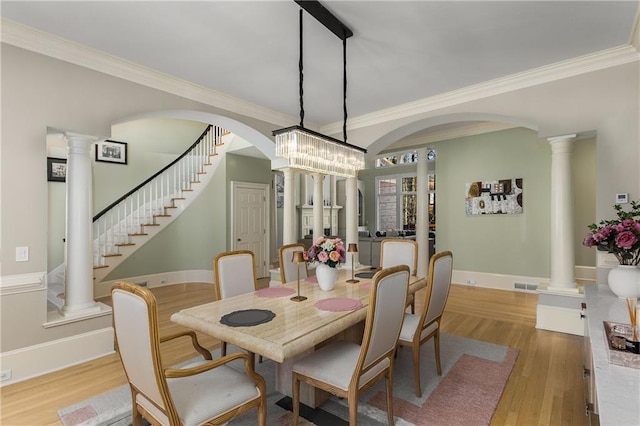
pixel 249 222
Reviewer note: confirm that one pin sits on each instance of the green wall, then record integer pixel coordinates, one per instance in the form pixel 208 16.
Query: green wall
pixel 201 232
pixel 584 197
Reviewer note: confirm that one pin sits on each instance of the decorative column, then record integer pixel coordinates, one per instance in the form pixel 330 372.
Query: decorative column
pixel 289 208
pixel 562 233
pixel 351 217
pixel 79 247
pixel 422 211
pixel 318 206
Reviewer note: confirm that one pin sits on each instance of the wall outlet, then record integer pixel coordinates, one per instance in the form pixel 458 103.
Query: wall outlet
pixel 163 281
pixel 471 282
pixel 5 375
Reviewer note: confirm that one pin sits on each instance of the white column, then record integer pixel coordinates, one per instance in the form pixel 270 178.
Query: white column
pixel 422 211
pixel 289 208
pixel 562 233
pixel 318 207
pixel 351 217
pixel 79 247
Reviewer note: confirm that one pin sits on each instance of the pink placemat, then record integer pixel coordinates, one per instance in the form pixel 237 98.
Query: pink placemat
pixel 275 292
pixel 337 304
pixel 365 285
pixel 312 279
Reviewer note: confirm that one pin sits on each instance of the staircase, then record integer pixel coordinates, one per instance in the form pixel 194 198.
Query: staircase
pixel 136 217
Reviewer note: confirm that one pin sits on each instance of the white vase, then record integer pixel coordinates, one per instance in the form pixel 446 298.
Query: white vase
pixel 327 276
pixel 624 281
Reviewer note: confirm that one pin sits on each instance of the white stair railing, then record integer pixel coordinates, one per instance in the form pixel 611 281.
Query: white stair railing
pixel 138 211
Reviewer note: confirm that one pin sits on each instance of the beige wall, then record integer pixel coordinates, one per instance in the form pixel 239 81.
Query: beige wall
pixel 39 92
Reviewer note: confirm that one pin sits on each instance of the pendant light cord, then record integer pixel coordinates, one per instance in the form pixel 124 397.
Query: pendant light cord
pixel 301 77
pixel 344 85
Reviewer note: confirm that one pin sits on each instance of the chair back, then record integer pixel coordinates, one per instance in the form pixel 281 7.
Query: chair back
pixel 387 302
pixel 234 273
pixel 288 269
pixel 135 321
pixel 438 285
pixel 399 251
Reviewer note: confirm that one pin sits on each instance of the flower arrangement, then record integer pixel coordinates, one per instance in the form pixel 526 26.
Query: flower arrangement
pixel 620 237
pixel 327 251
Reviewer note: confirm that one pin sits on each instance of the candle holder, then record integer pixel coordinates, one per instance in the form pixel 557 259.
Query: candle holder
pixel 353 249
pixel 298 258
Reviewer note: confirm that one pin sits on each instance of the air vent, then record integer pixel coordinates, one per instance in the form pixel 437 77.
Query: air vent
pixel 525 286
pixel 142 283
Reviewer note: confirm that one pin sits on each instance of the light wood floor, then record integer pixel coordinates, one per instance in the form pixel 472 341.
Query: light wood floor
pixel 545 387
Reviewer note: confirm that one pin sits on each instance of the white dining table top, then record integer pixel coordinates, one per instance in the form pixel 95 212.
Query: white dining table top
pixel 296 327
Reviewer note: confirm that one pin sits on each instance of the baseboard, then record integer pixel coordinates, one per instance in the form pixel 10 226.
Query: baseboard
pixel 158 280
pixel 560 319
pixel 498 281
pixel 32 361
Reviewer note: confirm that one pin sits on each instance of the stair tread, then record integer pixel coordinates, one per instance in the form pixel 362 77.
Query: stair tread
pixel 150 224
pixel 161 215
pixel 136 234
pixel 125 244
pixel 100 266
pixel 112 255
pixel 171 207
pixel 179 198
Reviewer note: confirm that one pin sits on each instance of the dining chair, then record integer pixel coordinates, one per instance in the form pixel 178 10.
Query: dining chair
pixel 234 273
pixel 400 251
pixel 288 269
pixel 347 369
pixel 417 329
pixel 201 391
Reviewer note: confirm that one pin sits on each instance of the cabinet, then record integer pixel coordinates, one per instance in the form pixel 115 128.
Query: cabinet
pixel 611 389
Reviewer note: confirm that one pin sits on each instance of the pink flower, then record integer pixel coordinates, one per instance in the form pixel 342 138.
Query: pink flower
pixel 323 256
pixel 626 240
pixel 588 240
pixel 335 256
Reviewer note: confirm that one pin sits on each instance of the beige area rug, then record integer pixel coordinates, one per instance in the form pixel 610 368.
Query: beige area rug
pixel 474 376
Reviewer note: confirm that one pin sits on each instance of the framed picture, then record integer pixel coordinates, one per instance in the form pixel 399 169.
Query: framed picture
pixel 56 169
pixel 111 152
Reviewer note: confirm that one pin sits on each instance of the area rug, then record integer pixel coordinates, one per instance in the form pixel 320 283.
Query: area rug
pixel 473 379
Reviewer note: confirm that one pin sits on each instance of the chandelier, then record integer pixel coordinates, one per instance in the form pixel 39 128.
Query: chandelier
pixel 313 151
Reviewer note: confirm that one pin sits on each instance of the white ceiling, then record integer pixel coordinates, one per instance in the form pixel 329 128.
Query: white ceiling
pixel 401 51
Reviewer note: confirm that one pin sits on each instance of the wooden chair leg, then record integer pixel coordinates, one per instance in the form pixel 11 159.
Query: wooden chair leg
pixel 262 412
pixel 353 408
pixel 390 417
pixel 436 345
pixel 416 369
pixel 296 399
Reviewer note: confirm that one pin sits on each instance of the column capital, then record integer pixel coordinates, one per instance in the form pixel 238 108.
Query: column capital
pixel 562 138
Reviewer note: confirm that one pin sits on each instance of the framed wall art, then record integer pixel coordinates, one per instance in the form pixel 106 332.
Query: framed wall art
pixel 109 151
pixel 56 169
pixel 494 197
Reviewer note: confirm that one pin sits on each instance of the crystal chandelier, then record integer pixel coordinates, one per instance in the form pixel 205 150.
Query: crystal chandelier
pixel 313 151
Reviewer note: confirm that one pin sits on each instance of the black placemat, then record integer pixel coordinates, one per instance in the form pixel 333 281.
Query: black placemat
pixel 247 317
pixel 365 274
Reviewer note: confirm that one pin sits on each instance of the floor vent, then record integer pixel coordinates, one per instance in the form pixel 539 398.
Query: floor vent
pixel 525 286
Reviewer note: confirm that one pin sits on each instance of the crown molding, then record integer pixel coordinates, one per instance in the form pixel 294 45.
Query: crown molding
pixel 56 47
pixel 593 62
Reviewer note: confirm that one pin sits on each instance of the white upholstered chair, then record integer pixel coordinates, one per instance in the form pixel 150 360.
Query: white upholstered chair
pixel 204 390
pixel 288 269
pixel 347 369
pixel 417 329
pixel 400 251
pixel 234 273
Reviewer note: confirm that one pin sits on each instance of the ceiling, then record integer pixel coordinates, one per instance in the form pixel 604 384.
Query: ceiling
pixel 401 51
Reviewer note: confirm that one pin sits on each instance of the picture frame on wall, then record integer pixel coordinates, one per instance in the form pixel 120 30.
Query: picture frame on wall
pixel 109 151
pixel 56 169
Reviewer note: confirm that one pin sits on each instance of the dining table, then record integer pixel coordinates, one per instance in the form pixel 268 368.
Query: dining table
pixel 269 323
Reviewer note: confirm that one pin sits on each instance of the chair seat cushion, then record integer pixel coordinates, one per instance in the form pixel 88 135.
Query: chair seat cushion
pixel 410 325
pixel 199 398
pixel 335 364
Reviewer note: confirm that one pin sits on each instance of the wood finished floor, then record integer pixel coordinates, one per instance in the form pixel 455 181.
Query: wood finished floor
pixel 545 387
